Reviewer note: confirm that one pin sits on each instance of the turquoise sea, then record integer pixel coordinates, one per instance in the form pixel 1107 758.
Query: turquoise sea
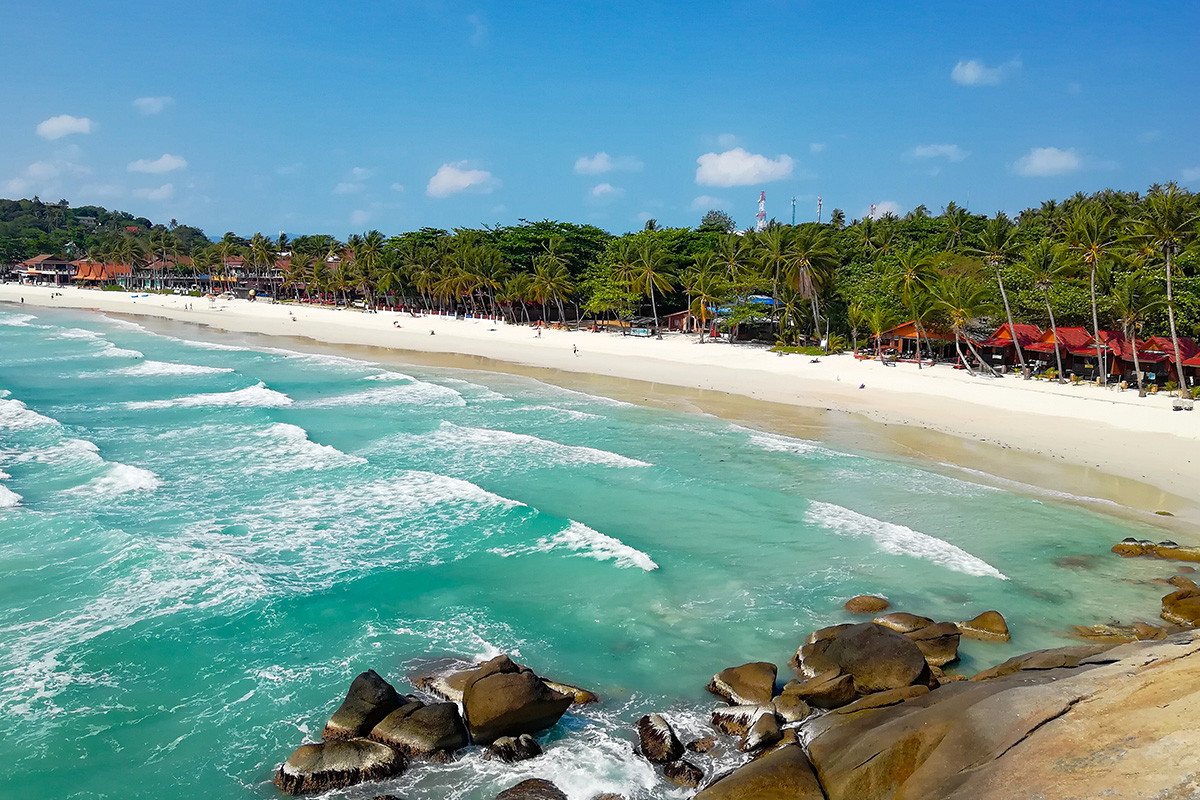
pixel 203 541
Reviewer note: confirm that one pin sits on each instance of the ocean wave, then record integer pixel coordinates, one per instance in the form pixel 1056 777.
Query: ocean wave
pixel 566 412
pixel 389 375
pixel 162 368
pixel 9 498
pixel 112 351
pixel 420 393
pixel 15 415
pixel 78 333
pixel 778 443
pixel 484 445
pixel 64 451
pixel 1030 489
pixel 590 543
pixel 899 540
pixel 17 320
pixel 257 396
pixel 287 448
pixel 477 392
pixel 119 479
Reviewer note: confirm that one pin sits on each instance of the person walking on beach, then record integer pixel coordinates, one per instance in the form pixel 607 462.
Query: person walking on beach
pixel 575 349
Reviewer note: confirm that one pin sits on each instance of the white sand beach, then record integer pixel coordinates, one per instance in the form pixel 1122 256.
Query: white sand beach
pixel 1135 452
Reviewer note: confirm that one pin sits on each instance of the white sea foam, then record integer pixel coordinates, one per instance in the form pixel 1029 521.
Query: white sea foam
pixel 257 396
pixel 15 415
pixel 420 393
pixel 566 412
pixel 119 479
pixel 112 351
pixel 484 445
pixel 584 541
pixel 477 392
pixel 78 333
pixel 286 448
pixel 162 368
pixel 17 320
pixel 65 451
pixel 8 498
pixel 389 376
pixel 899 540
pixel 1030 489
pixel 782 444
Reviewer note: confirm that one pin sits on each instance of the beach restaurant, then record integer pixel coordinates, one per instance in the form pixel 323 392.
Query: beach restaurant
pixel 1001 348
pixel 93 273
pixel 46 269
pixel 903 338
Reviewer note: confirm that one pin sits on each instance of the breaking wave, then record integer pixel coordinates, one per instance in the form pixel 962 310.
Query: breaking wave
pixel 256 396
pixel 584 541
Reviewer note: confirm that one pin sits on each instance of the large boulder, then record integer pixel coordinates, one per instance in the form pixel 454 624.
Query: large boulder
pixel 1182 608
pixel 762 734
pixel 509 704
pixel 510 749
pixel 748 685
pixel 782 774
pixel 866 604
pixel 878 659
pixel 368 701
pixel 937 642
pixel 657 741
pixel 683 773
pixel 1117 725
pixel 1055 658
pixel 316 768
pixel 736 720
pixel 451 685
pixel 532 789
pixel 830 689
pixel 903 622
pixel 1176 552
pixel 431 732
pixel 988 626
pixel 791 707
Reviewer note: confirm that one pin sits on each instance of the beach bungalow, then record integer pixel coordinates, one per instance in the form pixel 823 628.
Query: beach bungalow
pixel 46 268
pixel 93 273
pixel 1069 342
pixel 1001 350
pixel 903 339
pixel 1188 349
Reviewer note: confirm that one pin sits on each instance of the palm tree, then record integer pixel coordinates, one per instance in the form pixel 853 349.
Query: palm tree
pixel 1091 235
pixel 650 273
pixel 1042 264
pixel 998 246
pixel 772 247
pixel 963 300
pixel 227 248
pixel 1168 223
pixel 810 265
pixel 551 281
pixel 879 318
pixel 1134 298
pixel 954 222
pixel 912 277
pixel 297 272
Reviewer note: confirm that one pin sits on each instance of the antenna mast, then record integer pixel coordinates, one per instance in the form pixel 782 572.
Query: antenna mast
pixel 762 213
pixel 793 209
pixel 818 209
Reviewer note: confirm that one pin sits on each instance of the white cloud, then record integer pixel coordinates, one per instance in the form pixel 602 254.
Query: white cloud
pixel 1044 161
pixel 603 162
pixel 736 167
pixel 708 203
pixel 360 174
pixel 164 192
pixel 478 28
pixel 63 125
pixel 1192 174
pixel 359 217
pixel 727 140
pixel 152 105
pixel 816 147
pixel 165 163
pixel 457 177
pixel 347 187
pixel 886 207
pixel 397 187
pixel 976 73
pixel 605 192
pixel 951 152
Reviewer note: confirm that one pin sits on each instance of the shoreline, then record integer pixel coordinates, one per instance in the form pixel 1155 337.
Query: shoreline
pixel 1098 449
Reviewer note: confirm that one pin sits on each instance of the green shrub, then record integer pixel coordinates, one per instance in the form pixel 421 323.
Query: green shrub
pixel 114 288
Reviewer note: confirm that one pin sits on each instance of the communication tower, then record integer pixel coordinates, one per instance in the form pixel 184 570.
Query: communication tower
pixel 761 225
pixel 818 209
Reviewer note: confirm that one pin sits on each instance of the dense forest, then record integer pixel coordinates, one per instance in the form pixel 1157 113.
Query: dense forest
pixel 1112 260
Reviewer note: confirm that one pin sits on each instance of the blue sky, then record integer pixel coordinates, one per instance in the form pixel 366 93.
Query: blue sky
pixel 313 117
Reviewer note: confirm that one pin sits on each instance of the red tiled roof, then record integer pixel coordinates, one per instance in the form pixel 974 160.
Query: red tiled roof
pixel 1187 347
pixel 1025 334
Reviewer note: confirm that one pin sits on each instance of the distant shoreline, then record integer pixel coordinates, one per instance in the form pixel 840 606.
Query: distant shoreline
pixel 1134 455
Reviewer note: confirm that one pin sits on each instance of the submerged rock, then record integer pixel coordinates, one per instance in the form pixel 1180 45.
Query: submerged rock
pixel 866 604
pixel 368 701
pixel 335 764
pixel 747 685
pixel 704 745
pixel 532 789
pixel 988 626
pixel 683 773
pixel 658 743
pixel 511 749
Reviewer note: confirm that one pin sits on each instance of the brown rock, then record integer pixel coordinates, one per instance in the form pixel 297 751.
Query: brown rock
pixel 335 764
pixel 866 604
pixel 658 743
pixel 1182 607
pixel 532 789
pixel 748 685
pixel 736 720
pixel 828 690
pixel 1129 548
pixel 988 626
pixel 782 774
pixel 1177 553
pixel 763 733
pixel 1180 582
pixel 579 697
pixel 810 660
pixel 937 642
pixel 702 745
pixel 509 704
pixel 1056 658
pixel 902 622
pixel 791 708
pixel 683 773
pixel 426 732
pixel 510 749
pixel 877 658
pixel 883 699
pixel 450 686
pixel 830 632
pixel 368 701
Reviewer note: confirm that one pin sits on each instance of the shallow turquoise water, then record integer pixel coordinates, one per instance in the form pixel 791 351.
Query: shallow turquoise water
pixel 202 543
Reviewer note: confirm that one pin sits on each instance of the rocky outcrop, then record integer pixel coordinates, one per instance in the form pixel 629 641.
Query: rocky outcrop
pixel 790 706
pixel 782 774
pixel 657 741
pixel 451 685
pixel 937 642
pixel 1114 721
pixel 903 622
pixel 866 604
pixel 368 701
pixel 511 749
pixel 736 720
pixel 748 685
pixel 988 626
pixel 1043 660
pixel 830 689
pixel 1131 547
pixel 763 733
pixel 877 659
pixel 533 789
pixel 1182 608
pixel 683 773
pixel 431 732
pixel 335 764
pixel 505 699
pixel 1118 634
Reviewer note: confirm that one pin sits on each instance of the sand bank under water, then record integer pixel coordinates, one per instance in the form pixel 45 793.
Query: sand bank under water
pixel 1103 448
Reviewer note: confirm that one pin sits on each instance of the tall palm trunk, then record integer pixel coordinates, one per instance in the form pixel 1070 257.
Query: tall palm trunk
pixel 1100 365
pixel 1171 323
pixel 654 307
pixel 1137 365
pixel 1054 327
pixel 1008 314
pixel 961 358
